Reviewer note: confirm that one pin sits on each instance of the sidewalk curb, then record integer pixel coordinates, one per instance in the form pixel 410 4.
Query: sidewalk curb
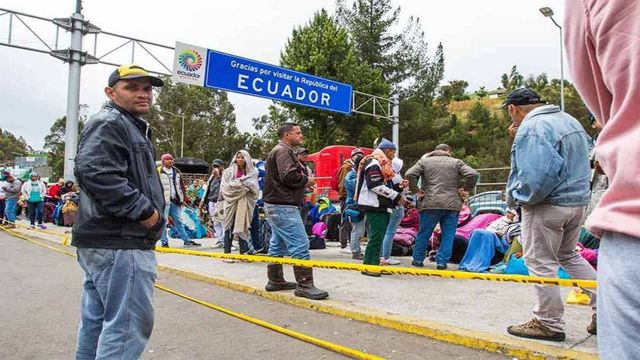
pixel 490 342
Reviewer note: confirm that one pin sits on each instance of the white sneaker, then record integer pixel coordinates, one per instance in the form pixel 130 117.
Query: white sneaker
pixel 391 261
pixel 233 248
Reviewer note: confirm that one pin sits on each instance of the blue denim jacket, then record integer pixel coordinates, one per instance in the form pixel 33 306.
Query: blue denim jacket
pixel 549 160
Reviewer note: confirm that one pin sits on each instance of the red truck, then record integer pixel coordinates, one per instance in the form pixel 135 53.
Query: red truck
pixel 324 164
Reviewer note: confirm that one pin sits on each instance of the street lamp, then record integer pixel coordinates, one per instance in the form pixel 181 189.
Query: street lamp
pixel 548 12
pixel 182 133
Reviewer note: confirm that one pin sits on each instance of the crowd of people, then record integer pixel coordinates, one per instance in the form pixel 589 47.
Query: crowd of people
pixel 125 205
pixel 37 201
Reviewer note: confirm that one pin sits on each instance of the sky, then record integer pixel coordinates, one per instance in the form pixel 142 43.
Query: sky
pixel 481 39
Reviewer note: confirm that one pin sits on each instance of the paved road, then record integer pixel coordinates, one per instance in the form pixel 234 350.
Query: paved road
pixel 40 296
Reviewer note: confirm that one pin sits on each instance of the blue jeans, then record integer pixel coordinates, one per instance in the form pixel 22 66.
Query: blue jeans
pixel 116 315
pixel 288 235
pixel 36 211
pixel 448 220
pixel 10 210
pixel 175 212
pixel 618 289
pixel 357 232
pixel 394 222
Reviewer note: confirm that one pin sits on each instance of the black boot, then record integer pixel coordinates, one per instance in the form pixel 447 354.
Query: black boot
pixel 305 288
pixel 276 279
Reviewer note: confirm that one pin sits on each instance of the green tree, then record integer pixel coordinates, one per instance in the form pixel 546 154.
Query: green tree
pixel 54 144
pixel 402 54
pixel 513 80
pixel 549 90
pixel 10 146
pixel 210 129
pixel 322 48
pixel 482 92
pixel 456 90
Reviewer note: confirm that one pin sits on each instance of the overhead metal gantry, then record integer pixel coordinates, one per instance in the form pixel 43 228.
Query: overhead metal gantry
pixel 46 38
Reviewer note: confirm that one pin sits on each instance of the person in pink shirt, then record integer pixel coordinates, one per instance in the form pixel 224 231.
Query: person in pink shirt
pixel 602 41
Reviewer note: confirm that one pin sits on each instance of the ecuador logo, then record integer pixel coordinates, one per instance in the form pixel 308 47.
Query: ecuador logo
pixel 190 60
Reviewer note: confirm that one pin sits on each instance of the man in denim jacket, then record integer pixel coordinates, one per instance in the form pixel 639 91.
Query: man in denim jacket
pixel 549 179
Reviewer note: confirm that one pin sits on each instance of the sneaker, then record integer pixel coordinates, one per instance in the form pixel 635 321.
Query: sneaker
pixel 441 267
pixel 192 243
pixel 217 245
pixel 417 263
pixel 593 327
pixel 391 261
pixel 535 330
pixel 165 245
pixel 32 226
pixel 42 226
pixel 384 262
pixel 358 256
pixel 233 248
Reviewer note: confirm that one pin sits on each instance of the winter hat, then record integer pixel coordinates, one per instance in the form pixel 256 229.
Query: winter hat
pixel 166 157
pixel 386 144
pixel 356 151
pixel 217 162
pixel 33 173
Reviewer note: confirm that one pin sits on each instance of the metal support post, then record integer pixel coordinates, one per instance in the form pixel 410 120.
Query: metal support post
pixel 73 93
pixel 395 121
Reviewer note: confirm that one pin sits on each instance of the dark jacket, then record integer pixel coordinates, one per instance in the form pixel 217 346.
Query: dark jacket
pixel 285 180
pixel 120 186
pixel 213 189
pixel 440 174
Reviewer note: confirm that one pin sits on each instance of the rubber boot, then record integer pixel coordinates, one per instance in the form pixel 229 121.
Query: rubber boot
pixel 305 288
pixel 276 279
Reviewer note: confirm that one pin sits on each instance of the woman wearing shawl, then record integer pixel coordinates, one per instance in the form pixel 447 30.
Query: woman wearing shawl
pixel 239 190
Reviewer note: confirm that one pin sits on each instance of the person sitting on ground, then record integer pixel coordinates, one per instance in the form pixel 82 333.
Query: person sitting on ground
pixel 54 191
pixel 322 208
pixel 68 187
pixel 193 190
pixel 483 244
pixel 239 190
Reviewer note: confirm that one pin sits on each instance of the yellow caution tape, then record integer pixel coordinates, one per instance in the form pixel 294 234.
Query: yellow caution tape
pixel 386 270
pixel 356 354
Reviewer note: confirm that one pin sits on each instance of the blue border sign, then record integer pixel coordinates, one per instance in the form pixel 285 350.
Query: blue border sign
pixel 245 76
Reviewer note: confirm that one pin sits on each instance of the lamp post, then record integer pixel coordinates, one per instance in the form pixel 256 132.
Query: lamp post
pixel 548 12
pixel 182 132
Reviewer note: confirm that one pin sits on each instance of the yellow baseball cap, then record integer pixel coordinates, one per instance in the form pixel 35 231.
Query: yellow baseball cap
pixel 132 71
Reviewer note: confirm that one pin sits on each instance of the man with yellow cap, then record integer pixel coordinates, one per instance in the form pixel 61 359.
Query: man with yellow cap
pixel 119 220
